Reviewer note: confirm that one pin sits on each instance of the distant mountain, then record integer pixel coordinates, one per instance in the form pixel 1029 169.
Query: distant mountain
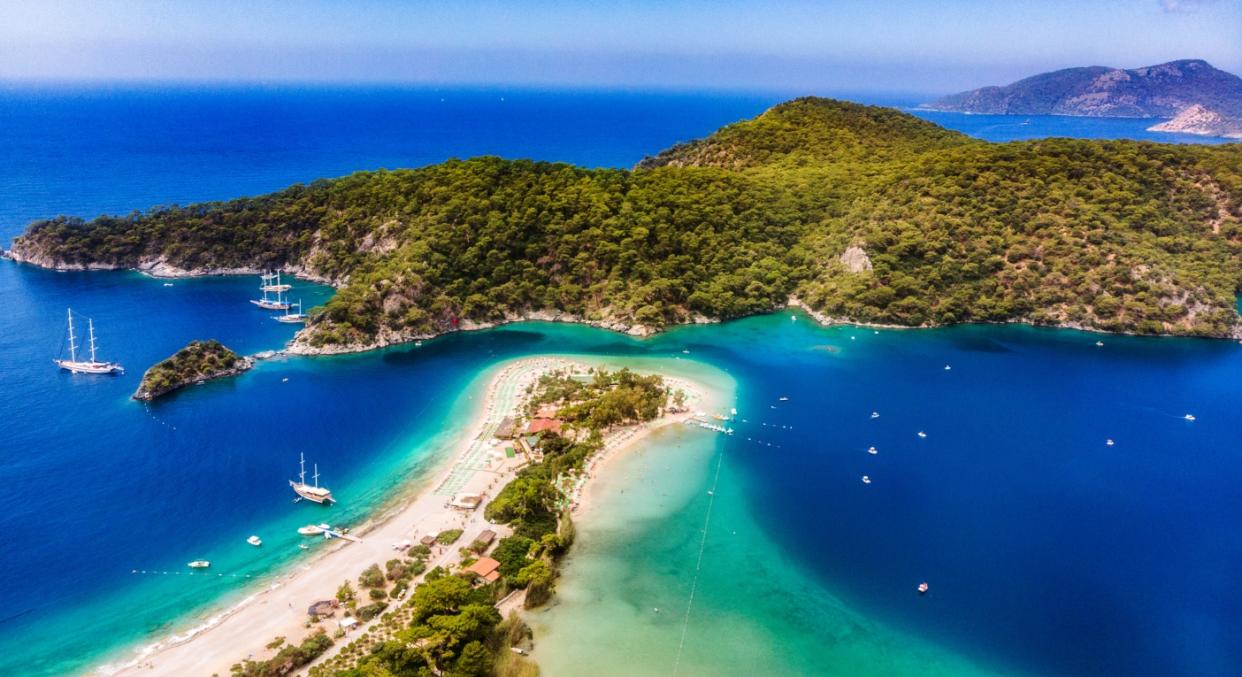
pixel 1162 91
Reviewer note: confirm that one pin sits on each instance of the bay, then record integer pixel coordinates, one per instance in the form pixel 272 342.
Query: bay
pixel 1047 551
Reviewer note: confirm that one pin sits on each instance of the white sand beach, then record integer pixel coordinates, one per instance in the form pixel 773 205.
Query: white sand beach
pixel 478 466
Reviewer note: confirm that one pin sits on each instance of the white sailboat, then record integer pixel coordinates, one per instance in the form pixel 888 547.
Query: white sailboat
pixel 314 493
pixel 91 366
pixel 292 317
pixel 271 285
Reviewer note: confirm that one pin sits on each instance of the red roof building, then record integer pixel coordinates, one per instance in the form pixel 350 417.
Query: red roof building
pixel 544 424
pixel 485 568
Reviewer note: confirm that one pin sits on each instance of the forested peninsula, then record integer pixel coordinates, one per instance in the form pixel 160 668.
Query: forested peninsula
pixel 860 213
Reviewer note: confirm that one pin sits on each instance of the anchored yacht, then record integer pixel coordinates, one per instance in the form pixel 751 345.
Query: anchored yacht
pixel 91 366
pixel 314 492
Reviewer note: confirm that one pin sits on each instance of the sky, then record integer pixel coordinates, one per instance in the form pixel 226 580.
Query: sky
pixel 787 45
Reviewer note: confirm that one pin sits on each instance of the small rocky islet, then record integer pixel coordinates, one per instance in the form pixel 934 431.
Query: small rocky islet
pixel 199 361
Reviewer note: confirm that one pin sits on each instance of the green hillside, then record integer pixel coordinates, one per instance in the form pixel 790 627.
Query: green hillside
pixel 934 227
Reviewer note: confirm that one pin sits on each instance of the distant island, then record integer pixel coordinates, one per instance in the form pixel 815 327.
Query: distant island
pixel 199 361
pixel 1195 97
pixel 858 213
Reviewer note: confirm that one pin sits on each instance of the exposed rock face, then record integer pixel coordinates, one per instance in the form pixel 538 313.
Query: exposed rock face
pixel 302 342
pixel 1199 120
pixel 856 260
pixel 197 362
pixel 1162 91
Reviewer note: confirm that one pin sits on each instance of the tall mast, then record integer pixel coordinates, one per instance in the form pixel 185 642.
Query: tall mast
pixel 316 475
pixel 90 325
pixel 302 474
pixel 73 350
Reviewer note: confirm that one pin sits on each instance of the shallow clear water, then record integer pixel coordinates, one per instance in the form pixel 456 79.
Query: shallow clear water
pixel 1047 551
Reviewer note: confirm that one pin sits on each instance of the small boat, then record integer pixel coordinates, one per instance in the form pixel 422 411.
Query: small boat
pixel 284 380
pixel 418 343
pixel 313 493
pixel 291 317
pixel 303 546
pixel 866 479
pixel 923 587
pixel 782 398
pixel 793 318
pixel 872 451
pixel 875 414
pixel 310 530
pixel 199 564
pixel 1109 442
pixel 255 541
pixel 685 351
pixel 168 284
pixel 1189 417
pixel 1099 344
pixel 92 366
pixel 922 434
pixel 947 367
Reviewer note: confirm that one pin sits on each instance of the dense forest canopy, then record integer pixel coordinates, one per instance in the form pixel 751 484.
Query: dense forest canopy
pixel 862 213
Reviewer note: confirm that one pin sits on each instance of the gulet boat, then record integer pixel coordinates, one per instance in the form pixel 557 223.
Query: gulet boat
pixel 271 285
pixel 309 492
pixel 291 317
pixel 91 366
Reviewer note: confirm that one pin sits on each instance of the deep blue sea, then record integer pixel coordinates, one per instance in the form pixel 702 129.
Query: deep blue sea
pixel 1049 551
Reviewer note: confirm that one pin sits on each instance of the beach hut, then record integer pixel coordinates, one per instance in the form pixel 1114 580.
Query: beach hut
pixel 506 428
pixel 428 540
pixel 486 537
pixel 466 501
pixel 325 607
pixel 348 623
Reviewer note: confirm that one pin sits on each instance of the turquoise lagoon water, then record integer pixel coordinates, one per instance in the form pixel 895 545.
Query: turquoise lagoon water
pixel 1047 551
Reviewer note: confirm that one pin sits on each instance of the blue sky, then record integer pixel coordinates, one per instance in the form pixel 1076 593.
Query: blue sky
pixel 792 45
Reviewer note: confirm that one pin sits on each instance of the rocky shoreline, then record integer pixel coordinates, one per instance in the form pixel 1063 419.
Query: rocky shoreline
pixel 300 345
pixel 160 268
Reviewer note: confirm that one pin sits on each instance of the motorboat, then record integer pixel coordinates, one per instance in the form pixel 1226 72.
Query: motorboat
pixel 199 564
pixel 255 541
